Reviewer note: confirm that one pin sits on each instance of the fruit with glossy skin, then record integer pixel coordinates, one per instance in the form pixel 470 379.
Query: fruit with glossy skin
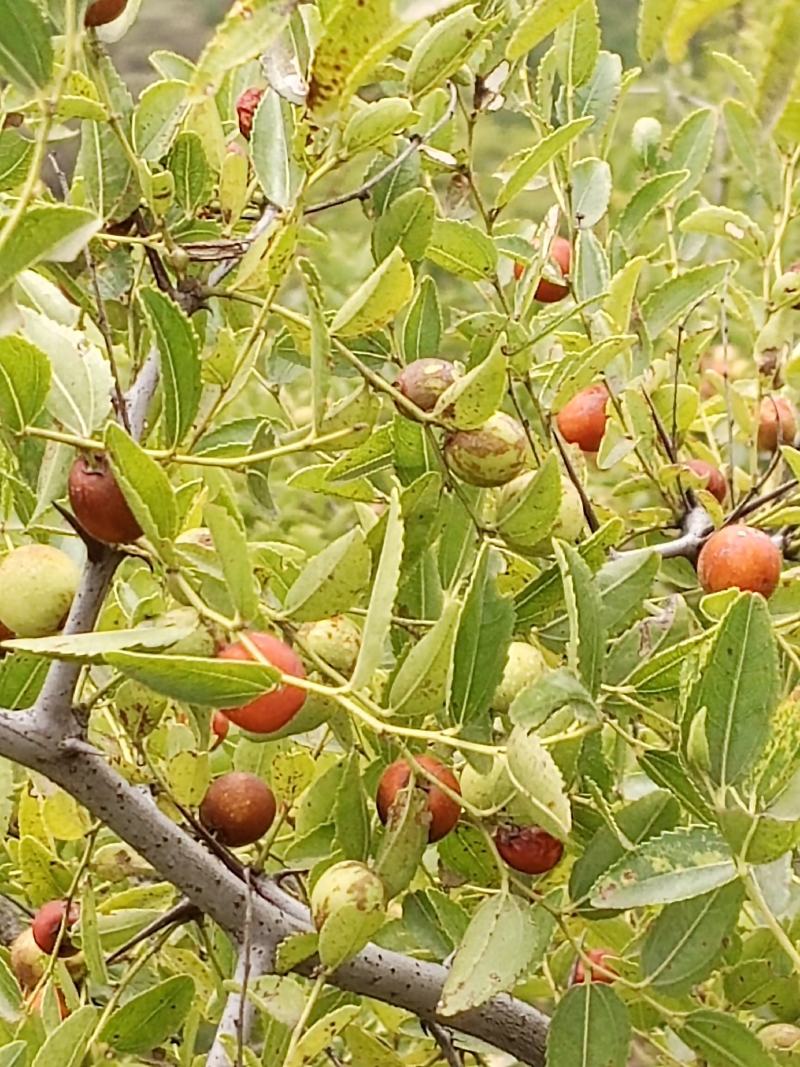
pixel 493 454
pixel 220 725
pixel 273 710
pixel 37 587
pixel 714 478
pixel 238 809
pixel 28 962
pixel 528 849
pixel 740 557
pixel 336 641
pixel 47 923
pixel 98 503
pixel 347 885
pixel 548 292
pixel 582 420
pixel 246 107
pixel 444 812
pixel 777 423
pixel 525 665
pixel 598 968
pixel 423 381
pixel 101 12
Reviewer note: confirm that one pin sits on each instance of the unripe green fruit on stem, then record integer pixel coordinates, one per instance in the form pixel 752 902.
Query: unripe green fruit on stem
pixel 524 666
pixel 37 587
pixel 336 641
pixel 347 885
pixel 101 12
pixel 740 557
pixel 493 454
pixel 646 139
pixel 424 381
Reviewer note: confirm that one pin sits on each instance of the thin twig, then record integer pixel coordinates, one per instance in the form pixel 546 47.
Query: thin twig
pixel 444 1040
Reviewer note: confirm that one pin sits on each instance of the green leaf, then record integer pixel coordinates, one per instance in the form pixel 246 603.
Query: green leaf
pixel 68 1043
pixel 591 273
pixel 366 1050
pixel 26 54
pixel 667 770
pixel 577 44
pixel 647 200
pixel 739 688
pixel 584 611
pixel 443 50
pixel 421 684
pixel 352 30
pixel 53 232
pixel 624 584
pixel 404 840
pixel 463 250
pixel 230 541
pixel 591 191
pixel 180 363
pixel 731 225
pixel 350 814
pixel 496 950
pixel 15 157
pixel 146 487
pixel 589 1028
pixel 319 1036
pixel 527 517
pixel 93 647
pixel 408 225
pixel 422 330
pixel 333 581
pixel 541 19
pixel 271 146
pixel 474 397
pixel 384 592
pixel 638 821
pixel 672 301
pixel 537 777
pixel 214 683
pixel 149 1018
pixel 376 302
pixel 556 689
pixel 24 383
pixel 376 122
pixel 43 876
pixel 677 865
pixel 723 1041
pixel 484 634
pixel 157 119
pixel 683 945
pixel 246 32
pixel 14 1054
pixel 691 146
pixel 538 158
pixel 194 178
pixel 780 64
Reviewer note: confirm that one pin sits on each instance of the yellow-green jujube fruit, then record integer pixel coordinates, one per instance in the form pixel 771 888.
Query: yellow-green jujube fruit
pixel 336 641
pixel 347 885
pixel 37 586
pixel 525 665
pixel 487 790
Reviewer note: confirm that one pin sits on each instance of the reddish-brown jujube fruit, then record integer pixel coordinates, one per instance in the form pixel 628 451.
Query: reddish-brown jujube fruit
pixel 777 423
pixel 269 712
pixel 715 479
pixel 598 969
pixel 423 381
pixel 246 107
pixel 101 12
pixel 47 923
pixel 528 849
pixel 220 725
pixel 740 557
pixel 98 503
pixel 238 808
pixel 582 420
pixel 444 812
pixel 548 292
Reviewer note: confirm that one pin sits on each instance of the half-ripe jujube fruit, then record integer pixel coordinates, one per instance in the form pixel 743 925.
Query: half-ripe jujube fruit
pixel 98 503
pixel 777 423
pixel 492 454
pixel 597 970
pixel 714 478
pixel 273 710
pixel 423 381
pixel 101 12
pixel 246 107
pixel 528 849
pixel 348 884
pixel 444 812
pixel 238 809
pixel 582 420
pixel 47 923
pixel 740 557
pixel 548 292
